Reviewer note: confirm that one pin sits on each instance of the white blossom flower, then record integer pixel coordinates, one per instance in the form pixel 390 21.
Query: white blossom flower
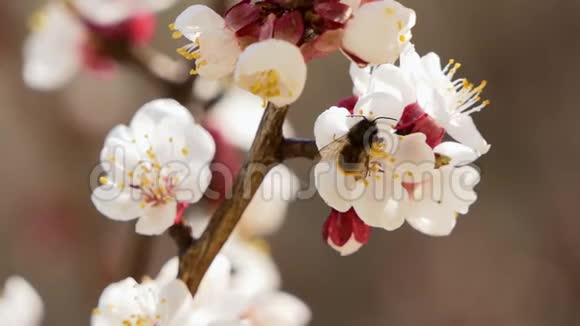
pixel 423 81
pixel 404 181
pixel 20 304
pixel 130 303
pixel 241 287
pixel 109 12
pixel 274 70
pixel 214 46
pixel 267 210
pixel 52 51
pixel 161 160
pixel 378 32
pixel 237 115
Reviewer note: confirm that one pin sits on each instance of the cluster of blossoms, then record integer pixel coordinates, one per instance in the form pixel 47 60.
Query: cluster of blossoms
pixel 266 44
pixel 67 36
pixel 383 161
pixel 241 288
pixel 411 174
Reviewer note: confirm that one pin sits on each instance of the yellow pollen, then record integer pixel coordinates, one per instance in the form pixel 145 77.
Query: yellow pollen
pixel 395 176
pixel 176 35
pixel 103 180
pixel 143 205
pixel 365 182
pixel 266 84
pixel 486 102
pixel 184 151
pixel 201 63
pixel 172 27
pixel 389 11
pixel 392 160
pixel 360 111
pixel 127 323
pixel 171 139
pixel 96 311
pixel 400 25
pixel 188 55
pixel 402 38
pixel 37 21
pixel 193 72
pixel 451 61
pixel 409 173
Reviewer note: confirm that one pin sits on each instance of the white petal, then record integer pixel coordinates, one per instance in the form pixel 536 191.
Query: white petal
pixel 116 204
pixel 394 81
pixel 106 12
pixel 237 115
pixel 156 219
pixel 273 69
pixel 414 158
pixel 52 54
pixel 256 271
pixel 168 272
pixel 154 112
pixel 336 189
pixel 175 300
pixel 360 79
pixel 219 51
pixel 377 105
pixel 215 282
pixel 463 129
pixel 267 209
pixel 20 304
pixel 349 248
pixel 330 125
pixel 198 19
pixel 433 222
pixel 459 154
pixel 281 309
pixel 379 213
pixel 379 31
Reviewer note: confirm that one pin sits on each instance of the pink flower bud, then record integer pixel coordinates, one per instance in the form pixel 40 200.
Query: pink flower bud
pixel 345 232
pixel 414 120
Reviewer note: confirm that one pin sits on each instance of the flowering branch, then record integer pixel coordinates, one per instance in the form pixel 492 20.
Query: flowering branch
pixel 265 153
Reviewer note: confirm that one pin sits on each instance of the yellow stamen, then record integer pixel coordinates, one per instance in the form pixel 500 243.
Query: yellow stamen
pixel 103 180
pixel 389 11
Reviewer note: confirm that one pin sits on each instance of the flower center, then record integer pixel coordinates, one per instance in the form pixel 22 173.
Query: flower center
pixel 191 51
pixel 266 84
pixel 465 96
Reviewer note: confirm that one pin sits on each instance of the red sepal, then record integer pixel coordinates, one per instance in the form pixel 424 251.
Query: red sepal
pixel 414 119
pixel 339 227
pixel 241 15
pixel 348 103
pixel 289 27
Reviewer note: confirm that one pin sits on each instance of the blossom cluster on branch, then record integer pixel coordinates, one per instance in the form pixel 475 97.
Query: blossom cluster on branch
pixel 399 148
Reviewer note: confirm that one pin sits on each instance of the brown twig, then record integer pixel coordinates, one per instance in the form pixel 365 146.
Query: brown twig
pixel 269 149
pixel 293 148
pixel 264 154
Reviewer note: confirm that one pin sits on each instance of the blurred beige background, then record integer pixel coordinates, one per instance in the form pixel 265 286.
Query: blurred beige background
pixel 514 260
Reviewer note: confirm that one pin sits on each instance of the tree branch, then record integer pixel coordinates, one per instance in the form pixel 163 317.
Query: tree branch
pixel 264 154
pixel 292 148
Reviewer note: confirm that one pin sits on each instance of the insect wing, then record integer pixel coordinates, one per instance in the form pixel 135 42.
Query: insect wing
pixel 333 150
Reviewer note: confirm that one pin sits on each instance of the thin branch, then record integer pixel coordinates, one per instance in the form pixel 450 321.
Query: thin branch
pixel 264 154
pixel 306 148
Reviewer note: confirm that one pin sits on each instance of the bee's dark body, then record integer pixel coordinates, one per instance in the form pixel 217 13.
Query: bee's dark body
pixel 354 156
